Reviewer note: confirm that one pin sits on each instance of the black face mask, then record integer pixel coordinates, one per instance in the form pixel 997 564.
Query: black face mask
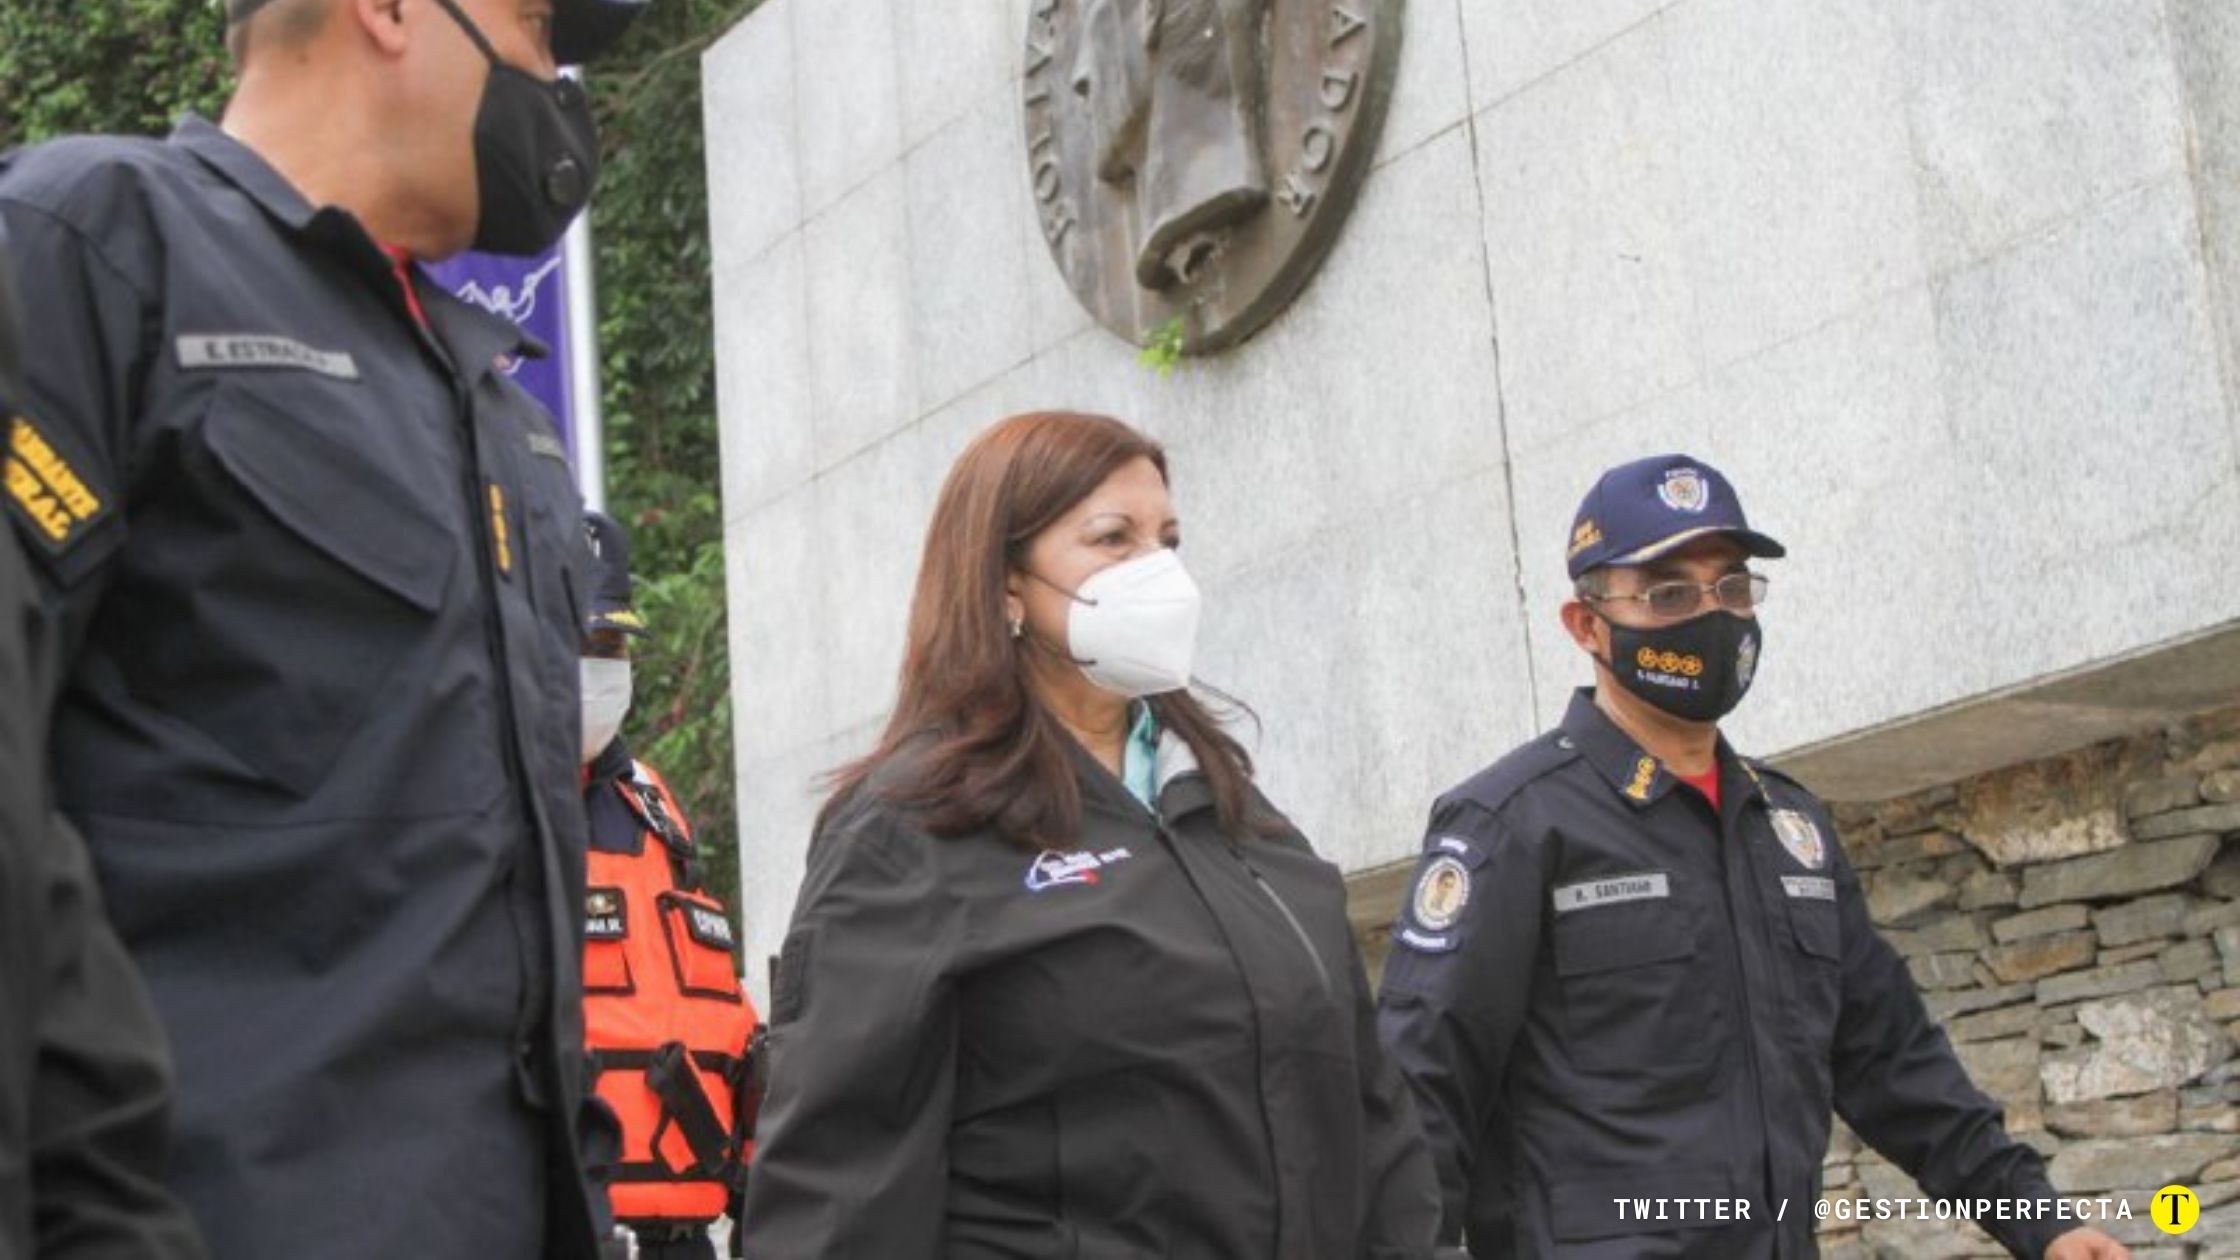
pixel 536 153
pixel 1697 670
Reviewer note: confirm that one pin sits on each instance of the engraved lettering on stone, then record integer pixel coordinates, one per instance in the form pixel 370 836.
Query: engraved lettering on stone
pixel 1337 90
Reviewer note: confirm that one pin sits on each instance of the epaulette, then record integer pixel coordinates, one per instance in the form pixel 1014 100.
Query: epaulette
pixel 1491 788
pixel 1772 771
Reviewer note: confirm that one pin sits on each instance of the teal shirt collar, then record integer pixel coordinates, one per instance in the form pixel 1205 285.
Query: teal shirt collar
pixel 1139 761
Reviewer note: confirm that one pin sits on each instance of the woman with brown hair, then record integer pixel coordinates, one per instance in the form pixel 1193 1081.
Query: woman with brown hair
pixel 1061 985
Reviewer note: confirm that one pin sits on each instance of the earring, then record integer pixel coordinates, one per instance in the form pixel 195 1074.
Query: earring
pixel 1018 626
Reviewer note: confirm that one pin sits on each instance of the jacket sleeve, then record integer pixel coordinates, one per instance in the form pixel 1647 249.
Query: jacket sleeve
pixel 1401 1197
pixel 1454 997
pixel 852 1157
pixel 94 1068
pixel 84 328
pixel 101 1096
pixel 1899 1085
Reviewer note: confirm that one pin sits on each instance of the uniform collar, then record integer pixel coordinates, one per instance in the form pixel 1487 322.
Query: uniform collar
pixel 1635 775
pixel 246 170
pixel 1181 786
pixel 477 338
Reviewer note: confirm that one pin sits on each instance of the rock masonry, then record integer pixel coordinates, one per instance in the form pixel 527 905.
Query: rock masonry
pixel 2074 924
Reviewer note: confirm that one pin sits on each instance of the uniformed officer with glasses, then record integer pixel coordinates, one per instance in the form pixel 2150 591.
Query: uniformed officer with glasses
pixel 1635 976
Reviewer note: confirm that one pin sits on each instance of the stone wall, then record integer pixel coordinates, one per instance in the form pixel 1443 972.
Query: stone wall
pixel 2075 925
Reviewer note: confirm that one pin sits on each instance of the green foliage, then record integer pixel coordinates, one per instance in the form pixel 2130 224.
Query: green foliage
pixel 134 65
pixel 657 365
pixel 107 65
pixel 1162 350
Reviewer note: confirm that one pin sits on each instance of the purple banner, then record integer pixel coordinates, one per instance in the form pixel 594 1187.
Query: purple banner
pixel 533 293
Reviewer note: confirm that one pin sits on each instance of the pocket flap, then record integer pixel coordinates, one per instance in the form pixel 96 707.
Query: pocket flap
pixel 1818 931
pixel 331 496
pixel 1631 934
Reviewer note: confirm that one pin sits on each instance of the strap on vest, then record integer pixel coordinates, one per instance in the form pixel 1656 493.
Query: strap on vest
pixel 669 1074
pixel 645 799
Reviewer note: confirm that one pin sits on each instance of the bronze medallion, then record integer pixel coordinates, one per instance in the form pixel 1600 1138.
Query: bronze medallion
pixel 1193 160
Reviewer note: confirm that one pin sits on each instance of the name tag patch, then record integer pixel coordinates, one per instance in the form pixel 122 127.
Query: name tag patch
pixel 708 927
pixel 604 918
pixel 1810 887
pixel 548 446
pixel 1615 890
pixel 46 491
pixel 251 350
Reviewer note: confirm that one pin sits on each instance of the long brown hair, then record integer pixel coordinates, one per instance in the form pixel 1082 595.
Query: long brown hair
pixel 984 752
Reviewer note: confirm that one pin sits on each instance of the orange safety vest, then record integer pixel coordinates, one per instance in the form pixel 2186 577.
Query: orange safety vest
pixel 664 1017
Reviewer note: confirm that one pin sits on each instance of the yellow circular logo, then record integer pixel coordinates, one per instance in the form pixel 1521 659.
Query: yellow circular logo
pixel 2175 1209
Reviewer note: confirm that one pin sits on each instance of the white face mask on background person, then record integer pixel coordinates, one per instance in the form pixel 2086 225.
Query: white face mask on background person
pixel 1133 627
pixel 606 697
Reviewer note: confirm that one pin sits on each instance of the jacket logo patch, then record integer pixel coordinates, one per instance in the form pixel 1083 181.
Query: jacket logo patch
pixel 1801 837
pixel 1809 887
pixel 1647 886
pixel 50 496
pixel 243 350
pixel 1441 892
pixel 1685 490
pixel 604 918
pixel 1053 869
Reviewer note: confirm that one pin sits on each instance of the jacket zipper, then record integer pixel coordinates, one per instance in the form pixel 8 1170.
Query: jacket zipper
pixel 1730 853
pixel 1321 972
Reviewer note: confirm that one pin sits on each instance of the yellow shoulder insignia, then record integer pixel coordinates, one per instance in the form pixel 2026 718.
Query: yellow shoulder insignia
pixel 46 492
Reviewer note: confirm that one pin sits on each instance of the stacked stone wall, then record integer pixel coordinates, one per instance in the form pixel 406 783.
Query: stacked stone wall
pixel 2074 924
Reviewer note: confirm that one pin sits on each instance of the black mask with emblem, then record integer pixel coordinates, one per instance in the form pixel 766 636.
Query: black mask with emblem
pixel 1697 670
pixel 536 153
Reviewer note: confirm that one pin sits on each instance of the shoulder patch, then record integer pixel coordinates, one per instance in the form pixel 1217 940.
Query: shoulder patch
pixel 52 496
pixel 1491 788
pixel 1431 921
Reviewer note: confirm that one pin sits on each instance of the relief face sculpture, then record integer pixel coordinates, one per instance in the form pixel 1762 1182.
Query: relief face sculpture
pixel 1173 89
pixel 1192 159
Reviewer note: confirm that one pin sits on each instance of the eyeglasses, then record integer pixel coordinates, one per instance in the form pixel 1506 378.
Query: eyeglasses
pixel 1736 592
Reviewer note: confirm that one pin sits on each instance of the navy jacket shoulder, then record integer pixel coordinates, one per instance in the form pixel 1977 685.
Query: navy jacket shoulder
pixel 1492 787
pixel 107 188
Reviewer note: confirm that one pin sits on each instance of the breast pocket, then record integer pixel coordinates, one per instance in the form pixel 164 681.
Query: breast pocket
pixel 700 947
pixel 557 554
pixel 281 593
pixel 1630 994
pixel 1815 970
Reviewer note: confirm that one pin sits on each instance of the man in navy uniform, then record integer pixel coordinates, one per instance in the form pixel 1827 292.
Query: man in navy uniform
pixel 1636 968
pixel 311 564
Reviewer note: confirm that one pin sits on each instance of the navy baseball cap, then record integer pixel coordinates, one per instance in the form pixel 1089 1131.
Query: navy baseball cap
pixel 581 29
pixel 611 608
pixel 1639 511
